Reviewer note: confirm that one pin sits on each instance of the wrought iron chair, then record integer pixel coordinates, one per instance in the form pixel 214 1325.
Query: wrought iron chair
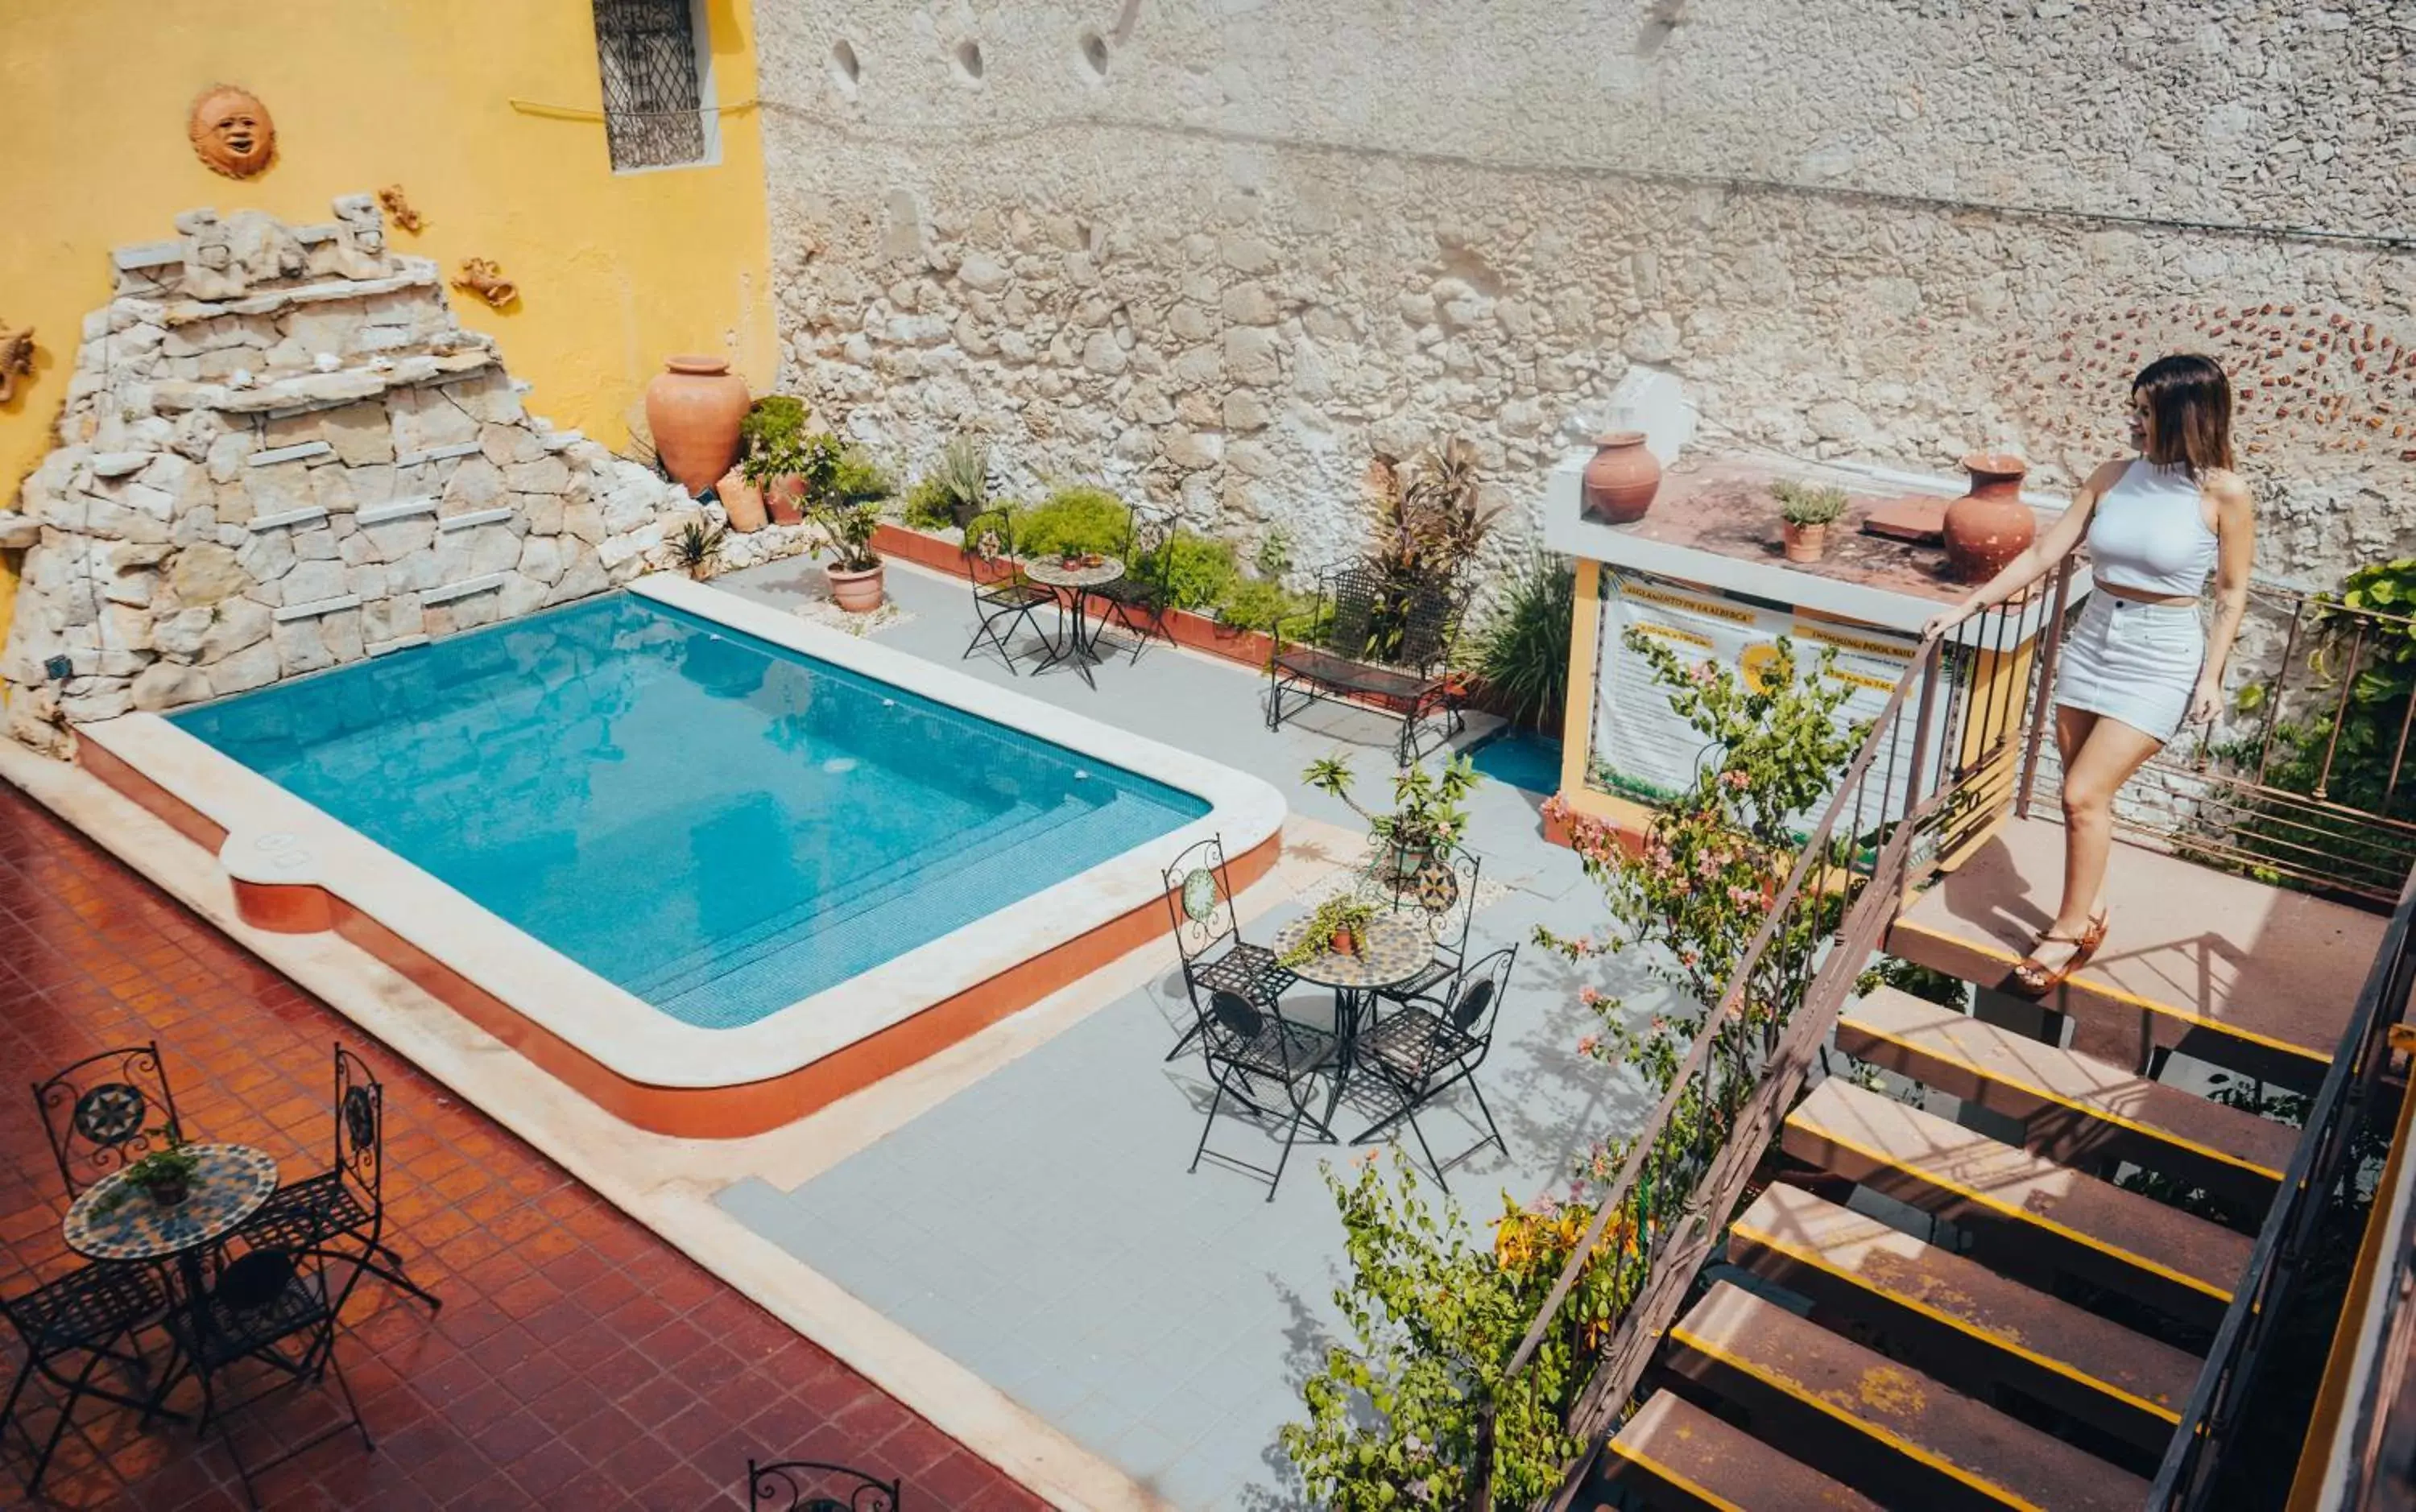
pixel 1208 936
pixel 813 1485
pixel 1138 600
pixel 1248 1043
pixel 1381 644
pixel 281 1309
pixel 87 1312
pixel 347 1201
pixel 1439 888
pixel 1425 1048
pixel 1003 597
pixel 107 1111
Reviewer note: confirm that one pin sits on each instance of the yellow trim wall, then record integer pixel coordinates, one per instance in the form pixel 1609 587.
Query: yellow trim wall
pixel 614 270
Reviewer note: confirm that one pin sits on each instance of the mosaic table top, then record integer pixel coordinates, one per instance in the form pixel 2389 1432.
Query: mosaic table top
pixel 1054 572
pixel 1397 949
pixel 114 1219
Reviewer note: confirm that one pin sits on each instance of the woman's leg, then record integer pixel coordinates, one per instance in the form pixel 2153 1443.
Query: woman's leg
pixel 2108 754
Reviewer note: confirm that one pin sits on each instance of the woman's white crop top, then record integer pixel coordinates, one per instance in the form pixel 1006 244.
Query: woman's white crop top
pixel 2149 533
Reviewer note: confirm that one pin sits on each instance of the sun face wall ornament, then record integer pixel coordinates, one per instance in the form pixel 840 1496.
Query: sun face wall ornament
pixel 232 132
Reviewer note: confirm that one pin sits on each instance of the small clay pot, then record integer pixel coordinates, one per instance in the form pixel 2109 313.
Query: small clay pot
pixel 1622 479
pixel 1343 943
pixel 1990 525
pixel 742 502
pixel 694 407
pixel 857 593
pixel 786 499
pixel 169 1192
pixel 1804 542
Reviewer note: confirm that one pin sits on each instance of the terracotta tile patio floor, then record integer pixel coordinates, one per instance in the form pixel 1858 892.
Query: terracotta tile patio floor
pixel 579 1361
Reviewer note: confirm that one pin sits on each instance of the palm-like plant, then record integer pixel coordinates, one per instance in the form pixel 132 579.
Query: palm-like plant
pixel 1430 516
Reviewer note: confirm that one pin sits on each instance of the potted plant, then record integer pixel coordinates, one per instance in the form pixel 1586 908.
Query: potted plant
pixel 1426 812
pixel 165 1175
pixel 855 573
pixel 779 451
pixel 954 490
pixel 1339 926
pixel 1806 511
pixel 696 549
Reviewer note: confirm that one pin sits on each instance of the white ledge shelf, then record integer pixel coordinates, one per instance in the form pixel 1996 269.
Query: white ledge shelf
pixel 464 588
pixel 393 509
pixel 436 454
pixel 289 453
pixel 474 519
pixel 287 517
pixel 318 607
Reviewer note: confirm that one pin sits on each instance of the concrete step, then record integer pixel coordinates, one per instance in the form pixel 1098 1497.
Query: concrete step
pixel 2222 967
pixel 2074 1108
pixel 1889 1432
pixel 1970 1327
pixel 2034 1215
pixel 1679 1458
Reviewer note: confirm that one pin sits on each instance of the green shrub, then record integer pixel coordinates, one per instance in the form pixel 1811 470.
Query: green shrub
pixel 857 479
pixel 1253 604
pixel 1197 571
pixel 1071 521
pixel 1523 650
pixel 772 441
pixel 930 505
pixel 954 490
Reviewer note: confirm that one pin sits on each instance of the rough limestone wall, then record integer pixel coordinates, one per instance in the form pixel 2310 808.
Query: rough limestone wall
pixel 1215 250
pixel 282 452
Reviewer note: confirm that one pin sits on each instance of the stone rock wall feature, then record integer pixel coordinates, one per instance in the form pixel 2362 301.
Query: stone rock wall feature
pixel 280 453
pixel 1272 239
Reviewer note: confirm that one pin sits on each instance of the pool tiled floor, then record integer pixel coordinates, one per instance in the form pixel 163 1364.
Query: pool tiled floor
pixel 579 1361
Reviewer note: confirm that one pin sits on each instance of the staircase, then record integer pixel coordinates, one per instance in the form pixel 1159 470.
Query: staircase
pixel 1965 1294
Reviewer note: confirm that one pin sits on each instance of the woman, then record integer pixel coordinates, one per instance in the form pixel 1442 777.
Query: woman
pixel 2137 664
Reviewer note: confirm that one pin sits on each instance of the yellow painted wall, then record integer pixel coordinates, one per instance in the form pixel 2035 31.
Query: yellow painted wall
pixel 614 270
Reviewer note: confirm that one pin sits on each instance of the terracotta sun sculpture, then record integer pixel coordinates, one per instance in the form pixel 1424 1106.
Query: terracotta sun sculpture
pixel 232 132
pixel 16 358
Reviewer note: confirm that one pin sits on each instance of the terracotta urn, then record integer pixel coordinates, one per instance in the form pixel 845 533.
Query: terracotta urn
pixel 693 407
pixel 786 499
pixel 1990 525
pixel 857 593
pixel 1621 479
pixel 742 502
pixel 1804 542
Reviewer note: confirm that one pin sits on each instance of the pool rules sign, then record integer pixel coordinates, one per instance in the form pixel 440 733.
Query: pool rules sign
pixel 1644 751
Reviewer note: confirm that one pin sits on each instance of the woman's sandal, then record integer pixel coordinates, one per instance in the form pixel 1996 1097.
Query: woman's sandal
pixel 2033 978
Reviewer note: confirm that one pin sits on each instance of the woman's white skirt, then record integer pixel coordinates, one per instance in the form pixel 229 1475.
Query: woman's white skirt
pixel 2138 662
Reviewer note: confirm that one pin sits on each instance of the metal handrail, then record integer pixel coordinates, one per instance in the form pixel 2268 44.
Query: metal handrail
pixel 2194 1460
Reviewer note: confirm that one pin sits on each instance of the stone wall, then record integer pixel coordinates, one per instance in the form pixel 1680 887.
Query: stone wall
pixel 280 453
pixel 1215 250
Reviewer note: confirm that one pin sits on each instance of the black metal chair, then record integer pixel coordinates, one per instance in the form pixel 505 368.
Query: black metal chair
pixel 1003 597
pixel 1437 888
pixel 1200 894
pixel 106 1112
pixel 813 1485
pixel 347 1201
pixel 279 1309
pixel 86 1313
pixel 1425 1048
pixel 1246 1043
pixel 1138 600
pixel 1381 643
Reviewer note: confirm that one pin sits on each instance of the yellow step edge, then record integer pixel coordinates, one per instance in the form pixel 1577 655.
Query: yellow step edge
pixel 1898 1442
pixel 2154 1409
pixel 2119 1120
pixel 2138 1262
pixel 1647 1462
pixel 1995 952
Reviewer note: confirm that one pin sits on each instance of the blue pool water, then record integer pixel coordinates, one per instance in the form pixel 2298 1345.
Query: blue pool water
pixel 1520 759
pixel 719 825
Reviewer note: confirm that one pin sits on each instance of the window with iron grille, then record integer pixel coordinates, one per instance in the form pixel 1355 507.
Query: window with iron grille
pixel 653 88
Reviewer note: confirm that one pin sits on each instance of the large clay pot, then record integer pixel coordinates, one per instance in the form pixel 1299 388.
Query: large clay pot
pixel 857 593
pixel 693 407
pixel 1621 479
pixel 742 502
pixel 1990 525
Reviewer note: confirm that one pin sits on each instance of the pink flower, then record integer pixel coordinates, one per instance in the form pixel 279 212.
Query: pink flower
pixel 1702 675
pixel 1689 957
pixel 1742 897
pixel 1737 779
pixel 1588 1045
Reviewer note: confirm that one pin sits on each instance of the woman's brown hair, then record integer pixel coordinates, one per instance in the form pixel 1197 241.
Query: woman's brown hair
pixel 2189 404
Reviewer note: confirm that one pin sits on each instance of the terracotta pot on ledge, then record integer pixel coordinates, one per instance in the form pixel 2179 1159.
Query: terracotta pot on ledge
pixel 1990 525
pixel 1622 479
pixel 1804 542
pixel 693 407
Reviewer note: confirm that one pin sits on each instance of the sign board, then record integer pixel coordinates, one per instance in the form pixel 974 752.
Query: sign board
pixel 1644 751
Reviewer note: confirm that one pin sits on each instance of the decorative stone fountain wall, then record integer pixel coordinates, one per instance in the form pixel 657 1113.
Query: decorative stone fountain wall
pixel 280 453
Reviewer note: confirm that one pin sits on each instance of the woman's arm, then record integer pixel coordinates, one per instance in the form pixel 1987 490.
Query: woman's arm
pixel 2235 530
pixel 2037 559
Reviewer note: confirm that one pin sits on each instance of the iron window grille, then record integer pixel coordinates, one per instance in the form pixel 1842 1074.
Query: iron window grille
pixel 654 85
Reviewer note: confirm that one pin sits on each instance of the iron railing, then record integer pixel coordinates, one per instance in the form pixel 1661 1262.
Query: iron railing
pixel 2307 779
pixel 1937 766
pixel 2210 1425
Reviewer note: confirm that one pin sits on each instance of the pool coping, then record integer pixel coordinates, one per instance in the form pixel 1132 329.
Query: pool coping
pixel 295 869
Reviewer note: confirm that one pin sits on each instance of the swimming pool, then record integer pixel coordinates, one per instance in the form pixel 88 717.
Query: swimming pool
pixel 719 825
pixel 711 865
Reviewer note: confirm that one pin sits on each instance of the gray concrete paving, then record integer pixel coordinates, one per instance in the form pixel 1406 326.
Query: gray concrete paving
pixel 1039 1227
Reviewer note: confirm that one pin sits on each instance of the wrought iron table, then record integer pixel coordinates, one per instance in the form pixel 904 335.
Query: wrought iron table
pixel 1397 949
pixel 1073 584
